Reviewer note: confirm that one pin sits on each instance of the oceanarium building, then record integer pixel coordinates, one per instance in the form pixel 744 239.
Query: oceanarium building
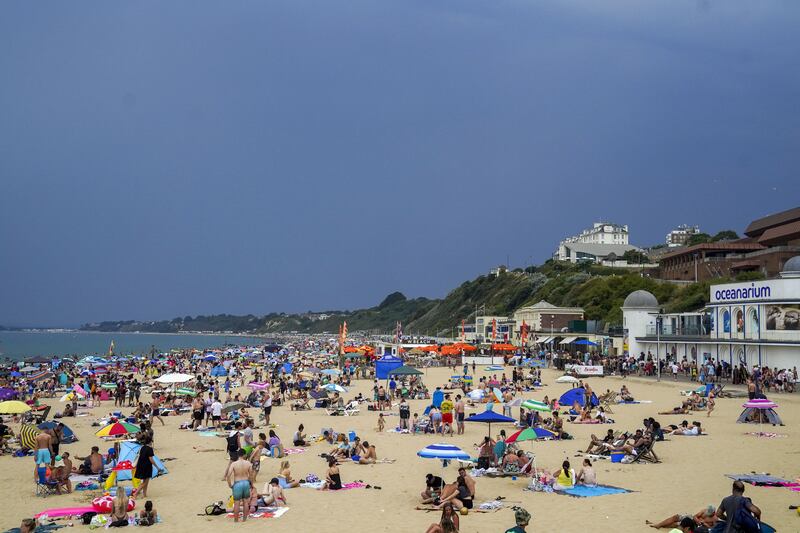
pixel 751 323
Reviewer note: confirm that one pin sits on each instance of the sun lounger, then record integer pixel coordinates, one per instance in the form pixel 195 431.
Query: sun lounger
pixel 648 455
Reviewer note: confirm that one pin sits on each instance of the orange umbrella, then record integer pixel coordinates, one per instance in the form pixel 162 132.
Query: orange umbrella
pixel 464 346
pixel 350 349
pixel 503 347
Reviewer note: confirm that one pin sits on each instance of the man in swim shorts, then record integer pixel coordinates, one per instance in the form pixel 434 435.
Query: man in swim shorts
pixel 447 414
pixel 459 410
pixel 44 447
pixel 239 475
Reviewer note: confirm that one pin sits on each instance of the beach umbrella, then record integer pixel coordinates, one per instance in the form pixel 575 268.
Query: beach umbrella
pixel 331 372
pixel 333 387
pixel 27 436
pixel 87 372
pixel 67 397
pixel 313 370
pixel 108 386
pixel 7 394
pixel 445 452
pixel 210 358
pixel 405 371
pixel 258 386
pixel 15 374
pixel 567 379
pixel 490 417
pixel 498 394
pixel 533 405
pixel 531 434
pixel 13 407
pixel 118 429
pixel 26 369
pixel 174 378
pixel 233 406
pixel 476 394
pixel 516 402
pixel 756 403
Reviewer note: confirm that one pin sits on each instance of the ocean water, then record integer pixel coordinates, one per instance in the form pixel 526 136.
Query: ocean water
pixel 22 344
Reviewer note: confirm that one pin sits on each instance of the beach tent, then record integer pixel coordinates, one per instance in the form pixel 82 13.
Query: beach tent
pixel 385 365
pixel 577 395
pixel 404 371
pixel 129 451
pixel 750 415
pixel 219 371
pixel 287 368
pixel 69 435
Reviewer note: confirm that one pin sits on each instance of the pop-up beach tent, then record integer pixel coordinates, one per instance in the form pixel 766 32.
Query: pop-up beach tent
pixel 129 451
pixel 385 365
pixel 68 435
pixel 577 394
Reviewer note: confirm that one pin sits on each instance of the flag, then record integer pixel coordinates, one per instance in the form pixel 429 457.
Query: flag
pixel 494 328
pixel 463 331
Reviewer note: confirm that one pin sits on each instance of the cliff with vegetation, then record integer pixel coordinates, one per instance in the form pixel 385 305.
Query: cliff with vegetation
pixel 599 290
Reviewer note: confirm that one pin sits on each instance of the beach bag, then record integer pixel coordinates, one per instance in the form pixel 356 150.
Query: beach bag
pixel 215 509
pixel 86 518
pixel 744 520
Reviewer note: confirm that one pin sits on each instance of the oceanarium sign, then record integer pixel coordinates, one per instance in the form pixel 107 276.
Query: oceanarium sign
pixel 756 291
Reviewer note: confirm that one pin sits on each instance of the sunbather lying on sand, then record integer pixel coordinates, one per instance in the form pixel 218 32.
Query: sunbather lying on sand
pixel 706 518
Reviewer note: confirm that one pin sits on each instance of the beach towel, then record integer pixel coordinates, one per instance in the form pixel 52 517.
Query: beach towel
pixel 266 512
pixel 207 433
pixel 293 451
pixel 582 491
pixel 346 486
pixel 763 480
pixel 313 485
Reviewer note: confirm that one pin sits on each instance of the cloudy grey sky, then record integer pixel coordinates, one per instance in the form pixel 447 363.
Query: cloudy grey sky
pixel 160 159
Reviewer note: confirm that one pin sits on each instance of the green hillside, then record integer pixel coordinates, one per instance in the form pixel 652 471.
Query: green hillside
pixel 599 290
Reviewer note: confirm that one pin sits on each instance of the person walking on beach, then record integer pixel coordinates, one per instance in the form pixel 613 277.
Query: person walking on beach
pixel 459 410
pixel 238 476
pixel 267 406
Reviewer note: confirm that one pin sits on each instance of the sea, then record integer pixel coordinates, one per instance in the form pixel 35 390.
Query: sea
pixel 19 345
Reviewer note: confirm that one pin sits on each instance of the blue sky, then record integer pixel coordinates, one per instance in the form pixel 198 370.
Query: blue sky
pixel 159 159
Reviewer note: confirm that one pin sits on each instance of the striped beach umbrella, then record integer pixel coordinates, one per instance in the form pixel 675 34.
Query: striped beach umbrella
pixel 523 435
pixel 109 386
pixel 445 452
pixel 185 391
pixel 27 436
pixel 533 405
pixel 118 429
pixel 760 403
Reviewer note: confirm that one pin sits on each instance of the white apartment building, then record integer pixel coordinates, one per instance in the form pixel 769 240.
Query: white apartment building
pixel 680 235
pixel 602 239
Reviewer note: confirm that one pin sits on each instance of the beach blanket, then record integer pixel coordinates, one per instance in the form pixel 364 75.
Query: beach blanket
pixel 293 451
pixel 763 480
pixel 582 491
pixel 634 402
pixel 79 478
pixel 207 433
pixel 266 512
pixel 346 486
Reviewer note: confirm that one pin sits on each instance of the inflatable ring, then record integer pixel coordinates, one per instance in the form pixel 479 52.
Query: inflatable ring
pixel 104 504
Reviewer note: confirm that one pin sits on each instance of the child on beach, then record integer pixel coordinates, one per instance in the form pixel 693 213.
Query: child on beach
pixel 381 423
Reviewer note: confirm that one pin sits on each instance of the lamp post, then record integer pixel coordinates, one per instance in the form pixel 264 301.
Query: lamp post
pixel 659 321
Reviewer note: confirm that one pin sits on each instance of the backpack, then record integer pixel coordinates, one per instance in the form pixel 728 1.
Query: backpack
pixel 744 520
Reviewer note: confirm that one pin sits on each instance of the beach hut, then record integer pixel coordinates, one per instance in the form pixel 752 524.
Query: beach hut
pixel 577 394
pixel 385 365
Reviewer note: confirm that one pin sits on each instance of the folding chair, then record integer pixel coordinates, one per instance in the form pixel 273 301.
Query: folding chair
pixel 44 487
pixel 648 455
pixel 351 409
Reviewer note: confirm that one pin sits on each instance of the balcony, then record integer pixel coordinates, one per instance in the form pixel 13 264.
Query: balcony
pixel 679 331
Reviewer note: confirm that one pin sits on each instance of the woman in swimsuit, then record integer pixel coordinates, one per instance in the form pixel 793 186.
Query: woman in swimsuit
pixel 285 477
pixel 448 523
pixel 333 480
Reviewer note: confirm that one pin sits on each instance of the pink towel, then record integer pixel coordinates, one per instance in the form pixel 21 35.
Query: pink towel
pixel 292 451
pixel 354 485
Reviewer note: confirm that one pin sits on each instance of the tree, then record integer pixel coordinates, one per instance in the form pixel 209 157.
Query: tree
pixel 725 235
pixel 698 238
pixel 634 257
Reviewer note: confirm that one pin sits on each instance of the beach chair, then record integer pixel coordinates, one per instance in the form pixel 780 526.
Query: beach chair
pixel 44 487
pixel 351 409
pixel 648 455
pixel 607 400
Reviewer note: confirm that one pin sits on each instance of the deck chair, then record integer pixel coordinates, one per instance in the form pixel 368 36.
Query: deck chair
pixel 351 409
pixel 648 455
pixel 44 487
pixel 607 400
pixel 333 410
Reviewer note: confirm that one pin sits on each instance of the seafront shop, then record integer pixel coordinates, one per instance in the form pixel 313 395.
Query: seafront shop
pixel 754 323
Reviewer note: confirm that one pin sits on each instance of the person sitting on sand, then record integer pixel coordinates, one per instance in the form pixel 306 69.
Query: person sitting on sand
pixel 273 495
pixel 285 477
pixel 148 516
pixel 511 463
pixel 587 476
pixel 275 446
pixel 92 464
pixel 448 523
pixel 705 519
pixel 369 457
pixel 341 450
pixel 299 437
pixel 333 480
pixel 457 494
pixel 635 445
pixel 556 425
pixel 564 477
pixel 625 394
pixel 119 509
pixel 434 485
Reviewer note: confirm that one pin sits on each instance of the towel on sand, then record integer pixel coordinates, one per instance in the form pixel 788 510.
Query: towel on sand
pixel 266 512
pixel 582 491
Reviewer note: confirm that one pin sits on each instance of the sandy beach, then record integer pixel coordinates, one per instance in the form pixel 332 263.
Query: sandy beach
pixel 690 476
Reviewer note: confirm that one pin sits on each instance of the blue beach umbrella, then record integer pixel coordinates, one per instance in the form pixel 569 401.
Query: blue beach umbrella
pixel 445 452
pixel 331 372
pixel 490 417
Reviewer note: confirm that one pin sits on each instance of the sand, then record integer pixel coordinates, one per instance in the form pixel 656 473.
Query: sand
pixel 690 477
